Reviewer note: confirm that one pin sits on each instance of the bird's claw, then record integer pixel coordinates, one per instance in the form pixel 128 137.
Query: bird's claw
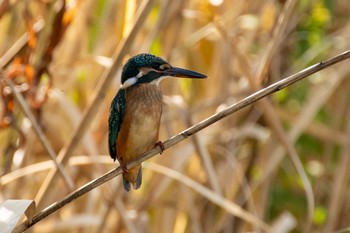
pixel 124 168
pixel 161 146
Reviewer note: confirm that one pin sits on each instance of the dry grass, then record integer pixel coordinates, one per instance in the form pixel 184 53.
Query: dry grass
pixel 280 165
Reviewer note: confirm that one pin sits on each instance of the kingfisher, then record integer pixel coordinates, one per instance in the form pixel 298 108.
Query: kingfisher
pixel 136 109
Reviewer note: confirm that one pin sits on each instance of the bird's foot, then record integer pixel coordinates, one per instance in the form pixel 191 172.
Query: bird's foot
pixel 124 168
pixel 161 146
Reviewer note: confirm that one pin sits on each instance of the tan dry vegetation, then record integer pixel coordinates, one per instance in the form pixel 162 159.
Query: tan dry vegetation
pixel 280 165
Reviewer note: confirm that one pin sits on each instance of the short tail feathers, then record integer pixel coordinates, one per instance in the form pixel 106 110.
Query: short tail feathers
pixel 126 184
pixel 138 182
pixel 136 185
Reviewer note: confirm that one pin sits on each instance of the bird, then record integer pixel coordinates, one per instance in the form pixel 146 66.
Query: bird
pixel 135 112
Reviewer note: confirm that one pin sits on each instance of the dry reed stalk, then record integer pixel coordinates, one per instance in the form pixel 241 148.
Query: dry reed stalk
pixel 185 134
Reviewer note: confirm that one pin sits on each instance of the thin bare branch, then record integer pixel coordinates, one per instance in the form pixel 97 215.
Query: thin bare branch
pixel 185 134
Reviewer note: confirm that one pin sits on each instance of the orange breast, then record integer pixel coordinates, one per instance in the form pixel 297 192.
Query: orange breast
pixel 140 127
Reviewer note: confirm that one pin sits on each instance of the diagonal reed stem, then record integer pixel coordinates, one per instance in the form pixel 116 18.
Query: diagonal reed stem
pixel 185 134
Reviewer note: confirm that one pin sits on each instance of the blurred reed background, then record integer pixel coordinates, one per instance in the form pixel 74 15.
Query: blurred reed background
pixel 284 161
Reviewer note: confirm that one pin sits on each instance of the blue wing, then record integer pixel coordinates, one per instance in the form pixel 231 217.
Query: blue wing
pixel 116 116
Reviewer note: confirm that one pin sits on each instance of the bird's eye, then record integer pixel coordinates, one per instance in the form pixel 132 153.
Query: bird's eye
pixel 164 67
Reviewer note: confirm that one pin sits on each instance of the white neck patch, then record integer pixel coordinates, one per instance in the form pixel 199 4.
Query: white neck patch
pixel 128 83
pixel 142 71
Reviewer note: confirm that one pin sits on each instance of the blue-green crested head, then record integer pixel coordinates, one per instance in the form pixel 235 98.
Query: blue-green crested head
pixel 147 68
pixel 142 65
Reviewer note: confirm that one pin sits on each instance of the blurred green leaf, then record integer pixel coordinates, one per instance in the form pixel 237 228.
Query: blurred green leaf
pixel 309 144
pixel 320 215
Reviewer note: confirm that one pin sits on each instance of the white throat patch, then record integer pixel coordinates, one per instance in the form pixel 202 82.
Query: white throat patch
pixel 142 71
pixel 128 83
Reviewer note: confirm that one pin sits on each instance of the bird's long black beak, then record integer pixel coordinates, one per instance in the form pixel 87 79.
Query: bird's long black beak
pixel 183 73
